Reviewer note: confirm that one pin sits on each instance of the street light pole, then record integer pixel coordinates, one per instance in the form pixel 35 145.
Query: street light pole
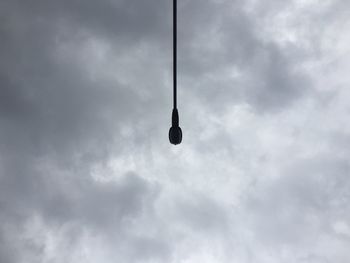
pixel 175 132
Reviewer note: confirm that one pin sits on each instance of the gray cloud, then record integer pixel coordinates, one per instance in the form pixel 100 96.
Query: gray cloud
pixel 233 62
pixel 87 174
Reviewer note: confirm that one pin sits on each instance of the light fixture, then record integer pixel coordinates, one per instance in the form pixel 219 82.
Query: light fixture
pixel 175 132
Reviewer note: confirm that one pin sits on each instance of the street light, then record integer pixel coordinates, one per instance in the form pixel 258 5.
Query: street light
pixel 175 132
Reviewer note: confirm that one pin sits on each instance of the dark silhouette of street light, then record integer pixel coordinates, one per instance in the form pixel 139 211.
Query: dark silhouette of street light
pixel 175 132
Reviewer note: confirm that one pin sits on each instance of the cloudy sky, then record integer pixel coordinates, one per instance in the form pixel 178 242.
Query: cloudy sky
pixel 86 170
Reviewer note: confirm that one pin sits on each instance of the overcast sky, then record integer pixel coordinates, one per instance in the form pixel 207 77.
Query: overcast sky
pixel 86 170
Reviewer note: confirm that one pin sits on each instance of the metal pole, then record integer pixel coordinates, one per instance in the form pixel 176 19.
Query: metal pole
pixel 175 52
pixel 175 132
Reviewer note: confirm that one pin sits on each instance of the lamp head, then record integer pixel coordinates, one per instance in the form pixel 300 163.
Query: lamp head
pixel 175 135
pixel 175 132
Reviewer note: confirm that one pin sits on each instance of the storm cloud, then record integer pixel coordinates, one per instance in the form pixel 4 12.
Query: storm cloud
pixel 86 170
